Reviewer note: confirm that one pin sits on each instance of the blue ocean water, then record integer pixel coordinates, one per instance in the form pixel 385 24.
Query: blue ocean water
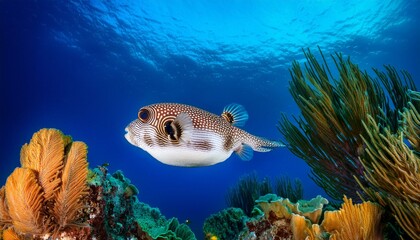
pixel 86 67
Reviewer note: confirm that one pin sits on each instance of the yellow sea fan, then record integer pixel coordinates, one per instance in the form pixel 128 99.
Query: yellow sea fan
pixel 24 198
pixel 359 221
pixel 45 154
pixel 67 203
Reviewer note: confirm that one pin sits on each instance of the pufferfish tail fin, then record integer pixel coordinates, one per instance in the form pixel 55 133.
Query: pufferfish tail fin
pixel 265 145
pixel 235 114
pixel 260 144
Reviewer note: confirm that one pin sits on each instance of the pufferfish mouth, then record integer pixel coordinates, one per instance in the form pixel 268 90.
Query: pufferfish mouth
pixel 127 135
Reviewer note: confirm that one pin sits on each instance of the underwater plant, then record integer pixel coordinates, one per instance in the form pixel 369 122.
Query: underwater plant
pixel 328 136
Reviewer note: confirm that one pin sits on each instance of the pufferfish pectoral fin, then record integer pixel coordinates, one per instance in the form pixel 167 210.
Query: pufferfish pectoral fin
pixel 181 128
pixel 235 114
pixel 245 152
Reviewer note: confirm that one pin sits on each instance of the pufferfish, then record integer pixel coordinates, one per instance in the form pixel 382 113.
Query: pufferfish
pixel 183 135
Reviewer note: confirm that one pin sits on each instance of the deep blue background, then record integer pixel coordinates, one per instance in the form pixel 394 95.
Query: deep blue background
pixel 87 67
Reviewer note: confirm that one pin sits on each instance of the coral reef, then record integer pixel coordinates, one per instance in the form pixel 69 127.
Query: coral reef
pixel 248 189
pixel 283 208
pixel 282 219
pixel 54 196
pixel 116 212
pixel 226 224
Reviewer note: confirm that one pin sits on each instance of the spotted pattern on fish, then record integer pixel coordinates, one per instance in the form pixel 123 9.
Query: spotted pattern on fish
pixel 228 142
pixel 182 135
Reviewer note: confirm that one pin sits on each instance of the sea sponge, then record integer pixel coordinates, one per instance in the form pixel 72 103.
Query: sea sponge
pixel 44 196
pixel 311 209
pixel 271 205
pixel 302 228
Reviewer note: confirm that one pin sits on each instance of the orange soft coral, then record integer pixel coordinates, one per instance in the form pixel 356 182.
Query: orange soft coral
pixel 44 196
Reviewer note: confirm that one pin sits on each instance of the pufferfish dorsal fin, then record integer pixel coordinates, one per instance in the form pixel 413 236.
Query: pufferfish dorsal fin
pixel 235 114
pixel 180 129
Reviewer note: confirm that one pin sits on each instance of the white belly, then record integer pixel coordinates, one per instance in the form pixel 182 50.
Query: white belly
pixel 178 156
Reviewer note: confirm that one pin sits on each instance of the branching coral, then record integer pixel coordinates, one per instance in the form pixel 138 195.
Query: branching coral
pixel 391 166
pixel 393 169
pixel 44 196
pixel 328 136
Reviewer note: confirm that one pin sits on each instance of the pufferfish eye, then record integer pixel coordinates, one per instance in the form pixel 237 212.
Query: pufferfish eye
pixel 144 115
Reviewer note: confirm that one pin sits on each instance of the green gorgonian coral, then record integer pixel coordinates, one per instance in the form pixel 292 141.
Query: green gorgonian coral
pixel 328 135
pixel 359 134
pixel 393 168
